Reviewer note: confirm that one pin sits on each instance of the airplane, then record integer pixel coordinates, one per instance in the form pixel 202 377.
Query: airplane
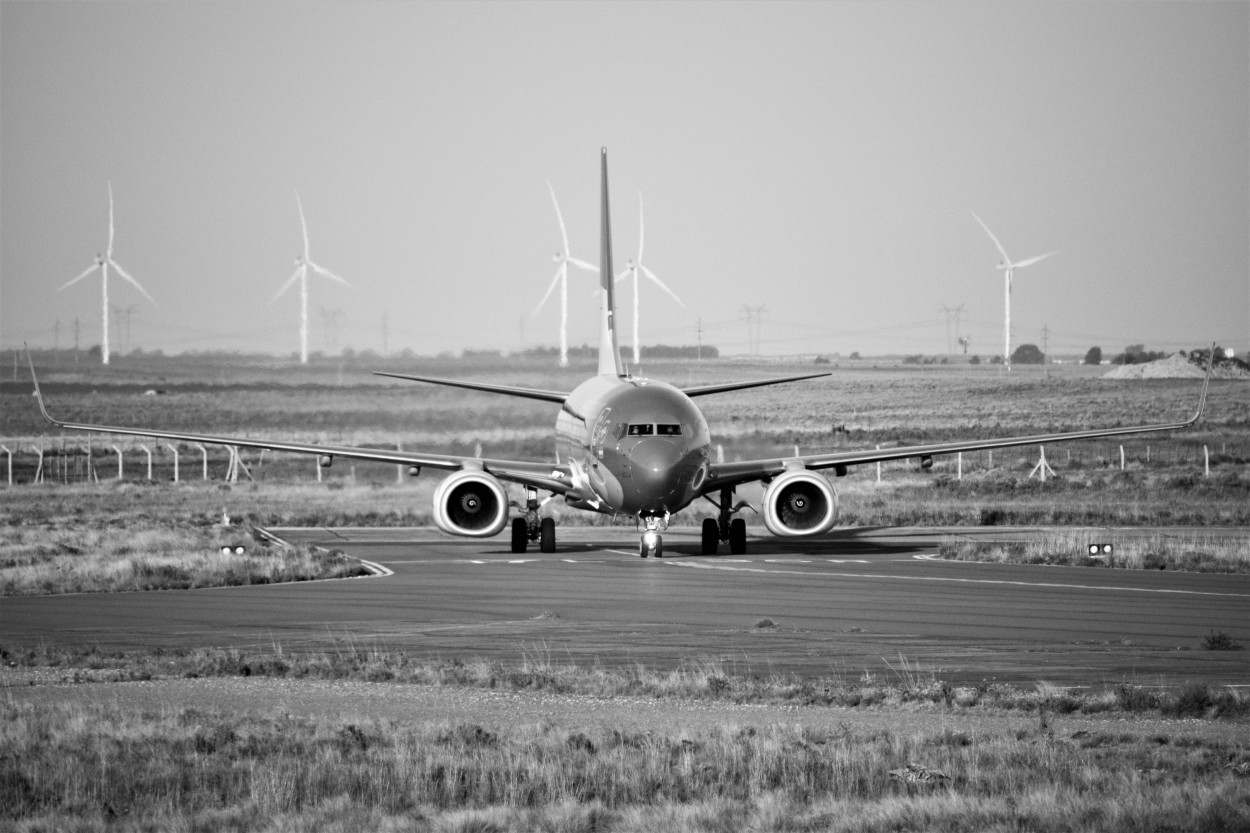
pixel 629 446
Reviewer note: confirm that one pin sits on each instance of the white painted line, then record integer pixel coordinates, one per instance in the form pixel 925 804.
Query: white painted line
pixel 846 561
pixel 928 556
pixel 376 569
pixel 786 561
pixel 1055 585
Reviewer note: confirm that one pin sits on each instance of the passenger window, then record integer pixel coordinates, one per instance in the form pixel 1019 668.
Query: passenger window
pixel 668 430
pixel 641 430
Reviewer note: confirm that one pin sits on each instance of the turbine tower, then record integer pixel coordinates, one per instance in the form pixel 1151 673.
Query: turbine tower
pixel 1008 266
pixel 632 268
pixel 302 264
pixel 563 258
pixel 103 262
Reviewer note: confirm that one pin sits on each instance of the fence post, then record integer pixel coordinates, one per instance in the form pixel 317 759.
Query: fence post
pixel 878 465
pixel 39 451
pixel 148 452
pixel 203 457
pixel 960 458
pixel 1206 461
pixel 174 449
pixel 1121 458
pixel 399 467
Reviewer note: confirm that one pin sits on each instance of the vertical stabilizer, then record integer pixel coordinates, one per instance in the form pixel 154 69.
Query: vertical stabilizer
pixel 609 351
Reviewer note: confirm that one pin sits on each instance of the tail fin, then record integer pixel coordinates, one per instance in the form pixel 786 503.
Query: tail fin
pixel 609 351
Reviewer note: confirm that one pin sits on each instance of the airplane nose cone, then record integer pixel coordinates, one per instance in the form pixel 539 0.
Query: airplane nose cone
pixel 654 463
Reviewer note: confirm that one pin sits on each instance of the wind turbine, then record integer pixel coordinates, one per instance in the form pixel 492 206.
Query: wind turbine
pixel 563 258
pixel 1007 266
pixel 633 267
pixel 103 262
pixel 301 274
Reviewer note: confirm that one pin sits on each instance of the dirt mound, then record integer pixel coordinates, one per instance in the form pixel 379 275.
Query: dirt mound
pixel 1175 366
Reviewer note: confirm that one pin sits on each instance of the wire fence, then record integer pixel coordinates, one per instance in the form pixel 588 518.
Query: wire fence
pixel 75 461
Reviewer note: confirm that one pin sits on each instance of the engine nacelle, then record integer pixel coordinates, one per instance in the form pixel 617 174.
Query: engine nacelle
pixel 472 504
pixel 800 502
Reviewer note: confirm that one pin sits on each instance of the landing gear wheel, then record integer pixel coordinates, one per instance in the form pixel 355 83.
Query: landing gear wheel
pixel 520 534
pixel 656 548
pixel 711 536
pixel 547 535
pixel 737 536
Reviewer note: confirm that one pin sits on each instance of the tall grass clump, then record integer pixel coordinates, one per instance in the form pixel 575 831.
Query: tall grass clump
pixel 1146 552
pixel 35 561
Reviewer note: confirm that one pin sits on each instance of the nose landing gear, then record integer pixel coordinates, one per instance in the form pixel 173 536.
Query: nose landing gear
pixel 652 544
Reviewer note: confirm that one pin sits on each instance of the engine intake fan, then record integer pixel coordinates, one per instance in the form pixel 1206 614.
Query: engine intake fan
pixel 800 502
pixel 471 503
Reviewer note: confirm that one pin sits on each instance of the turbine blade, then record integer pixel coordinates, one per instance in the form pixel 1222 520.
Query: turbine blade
pixel 589 267
pixel 550 288
pixel 1032 260
pixel 90 269
pixel 109 250
pixel 287 284
pixel 133 282
pixel 660 284
pixel 1001 250
pixel 303 223
pixel 326 273
pixel 640 227
pixel 564 235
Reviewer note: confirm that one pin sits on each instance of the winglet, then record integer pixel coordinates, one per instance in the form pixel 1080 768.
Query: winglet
pixel 1206 383
pixel 609 351
pixel 38 393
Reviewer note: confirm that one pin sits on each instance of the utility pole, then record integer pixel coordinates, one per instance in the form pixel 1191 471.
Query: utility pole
pixel 1046 349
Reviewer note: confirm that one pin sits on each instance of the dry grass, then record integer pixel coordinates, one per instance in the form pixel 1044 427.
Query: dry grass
pixel 104 767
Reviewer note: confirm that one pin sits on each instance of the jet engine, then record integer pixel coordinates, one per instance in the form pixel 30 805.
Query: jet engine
pixel 800 502
pixel 471 503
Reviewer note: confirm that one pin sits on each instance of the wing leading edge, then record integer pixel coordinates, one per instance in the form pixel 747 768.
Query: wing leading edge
pixel 726 475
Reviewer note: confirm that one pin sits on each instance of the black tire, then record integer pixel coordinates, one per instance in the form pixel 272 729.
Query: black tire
pixel 547 535
pixel 711 536
pixel 737 536
pixel 643 550
pixel 520 534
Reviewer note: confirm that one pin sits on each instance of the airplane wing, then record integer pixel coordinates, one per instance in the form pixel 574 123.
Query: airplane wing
pixel 704 390
pixel 726 475
pixel 525 393
pixel 546 476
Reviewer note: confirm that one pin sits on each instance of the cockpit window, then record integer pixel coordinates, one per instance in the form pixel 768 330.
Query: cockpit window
pixel 668 430
pixel 641 430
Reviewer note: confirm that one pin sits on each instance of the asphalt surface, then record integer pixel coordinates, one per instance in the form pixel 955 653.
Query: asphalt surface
pixel 851 602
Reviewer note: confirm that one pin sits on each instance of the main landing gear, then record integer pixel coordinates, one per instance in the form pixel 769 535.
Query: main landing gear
pixel 532 527
pixel 724 527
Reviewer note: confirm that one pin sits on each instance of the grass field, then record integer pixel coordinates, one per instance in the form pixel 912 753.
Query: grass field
pixel 1195 478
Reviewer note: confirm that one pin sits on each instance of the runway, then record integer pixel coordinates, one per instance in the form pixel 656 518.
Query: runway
pixel 851 602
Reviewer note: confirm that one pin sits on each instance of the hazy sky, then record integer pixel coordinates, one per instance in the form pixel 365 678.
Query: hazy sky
pixel 817 159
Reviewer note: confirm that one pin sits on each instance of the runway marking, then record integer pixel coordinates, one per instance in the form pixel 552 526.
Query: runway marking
pixel 928 556
pixel 1057 585
pixel 846 561
pixel 788 561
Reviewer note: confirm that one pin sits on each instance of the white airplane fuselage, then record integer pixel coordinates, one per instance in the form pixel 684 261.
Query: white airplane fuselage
pixel 636 446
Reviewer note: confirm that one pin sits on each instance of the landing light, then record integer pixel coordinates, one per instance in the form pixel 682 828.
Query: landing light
pixel 1100 549
pixel 649 538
